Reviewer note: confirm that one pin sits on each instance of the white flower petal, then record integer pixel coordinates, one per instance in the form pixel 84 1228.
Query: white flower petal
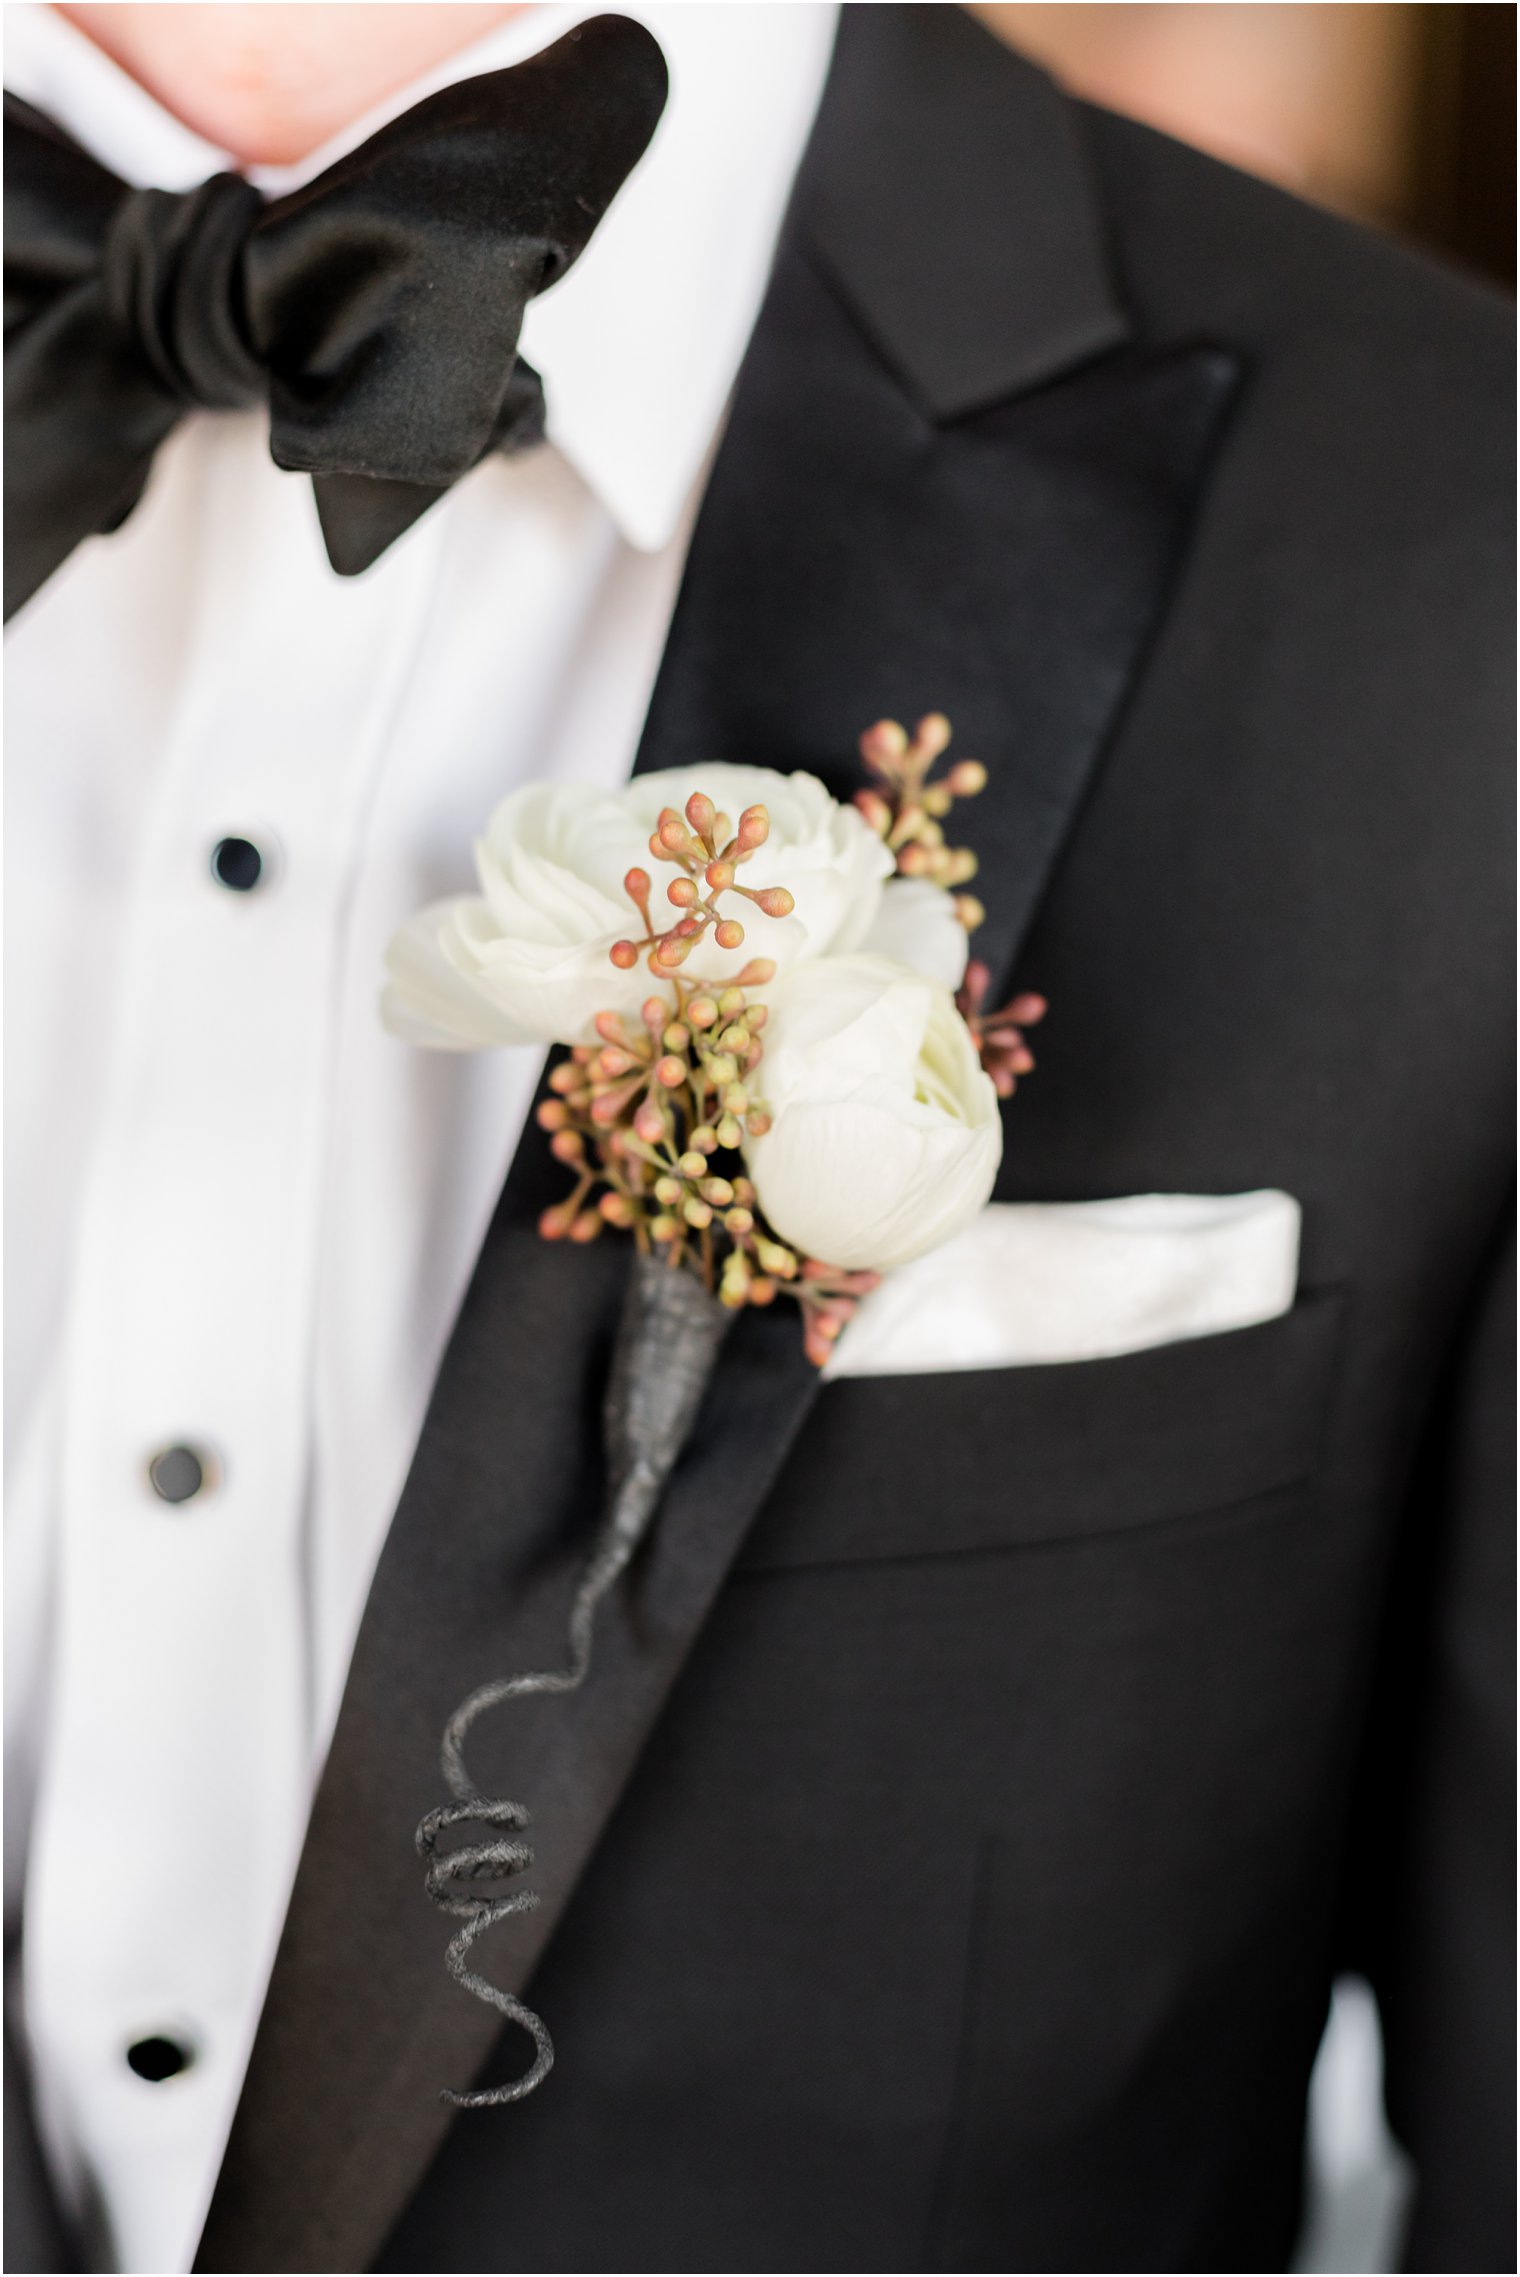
pixel 427 1000
pixel 915 925
pixel 886 1135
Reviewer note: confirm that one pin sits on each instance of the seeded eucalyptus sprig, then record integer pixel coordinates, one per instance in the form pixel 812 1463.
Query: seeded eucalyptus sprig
pixel 908 810
pixel 1000 1035
pixel 708 846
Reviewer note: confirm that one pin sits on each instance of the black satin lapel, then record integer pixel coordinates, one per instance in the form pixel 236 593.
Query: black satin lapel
pixel 851 560
pixel 855 561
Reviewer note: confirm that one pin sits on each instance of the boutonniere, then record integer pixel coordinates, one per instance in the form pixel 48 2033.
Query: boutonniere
pixel 781 1082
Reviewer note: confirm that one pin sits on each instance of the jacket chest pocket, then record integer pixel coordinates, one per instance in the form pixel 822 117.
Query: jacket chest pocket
pixel 996 1458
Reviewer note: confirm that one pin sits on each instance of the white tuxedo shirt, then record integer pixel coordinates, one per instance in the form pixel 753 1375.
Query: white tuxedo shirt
pixel 241 1216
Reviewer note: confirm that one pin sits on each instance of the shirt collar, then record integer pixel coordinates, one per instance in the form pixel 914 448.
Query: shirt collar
pixel 639 345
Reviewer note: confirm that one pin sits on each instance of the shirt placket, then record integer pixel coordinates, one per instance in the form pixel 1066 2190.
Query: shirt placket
pixel 179 1759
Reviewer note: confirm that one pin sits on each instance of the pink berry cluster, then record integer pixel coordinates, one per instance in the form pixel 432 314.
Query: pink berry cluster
pixel 704 845
pixel 908 810
pixel 999 1035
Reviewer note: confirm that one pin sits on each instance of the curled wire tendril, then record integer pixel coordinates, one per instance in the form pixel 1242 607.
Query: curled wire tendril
pixel 668 1346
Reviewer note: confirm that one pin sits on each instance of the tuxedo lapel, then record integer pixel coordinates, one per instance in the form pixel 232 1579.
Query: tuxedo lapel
pixel 917 505
pixel 983 516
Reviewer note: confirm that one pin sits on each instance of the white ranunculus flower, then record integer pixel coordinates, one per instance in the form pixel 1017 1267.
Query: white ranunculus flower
pixel 526 960
pixel 885 1135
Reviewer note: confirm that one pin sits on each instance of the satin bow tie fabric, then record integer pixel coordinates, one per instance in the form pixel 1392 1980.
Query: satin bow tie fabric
pixel 376 310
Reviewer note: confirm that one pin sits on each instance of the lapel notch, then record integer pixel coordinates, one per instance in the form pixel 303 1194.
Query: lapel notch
pixel 947 194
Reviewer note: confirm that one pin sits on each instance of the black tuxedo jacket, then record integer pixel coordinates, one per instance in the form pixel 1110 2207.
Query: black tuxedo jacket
pixel 948 1859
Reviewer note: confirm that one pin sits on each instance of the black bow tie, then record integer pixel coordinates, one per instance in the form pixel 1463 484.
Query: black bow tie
pixel 376 310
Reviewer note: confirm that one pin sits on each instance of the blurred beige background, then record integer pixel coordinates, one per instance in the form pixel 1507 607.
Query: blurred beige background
pixel 1403 115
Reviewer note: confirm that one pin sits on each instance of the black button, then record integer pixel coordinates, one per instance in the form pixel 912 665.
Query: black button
pixel 237 864
pixel 177 1473
pixel 158 2058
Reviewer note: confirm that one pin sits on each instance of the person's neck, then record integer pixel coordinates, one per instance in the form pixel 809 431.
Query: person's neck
pixel 269 83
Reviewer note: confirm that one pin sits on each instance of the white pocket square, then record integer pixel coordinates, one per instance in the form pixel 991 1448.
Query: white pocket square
pixel 1031 1283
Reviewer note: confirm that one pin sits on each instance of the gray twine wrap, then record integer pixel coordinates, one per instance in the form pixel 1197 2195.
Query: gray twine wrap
pixel 668 1344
